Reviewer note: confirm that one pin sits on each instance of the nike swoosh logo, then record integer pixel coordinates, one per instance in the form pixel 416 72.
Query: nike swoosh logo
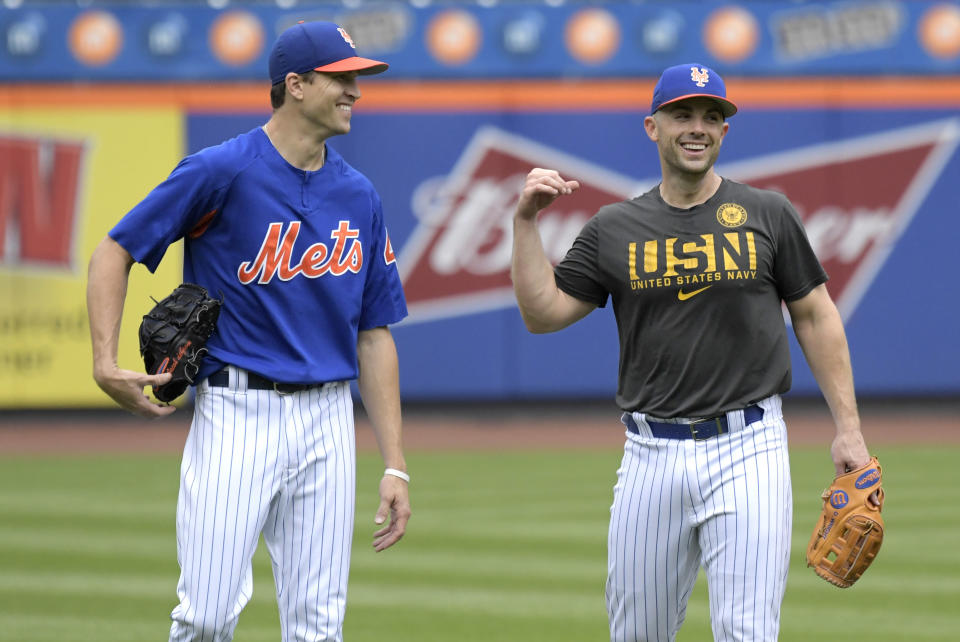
pixel 683 296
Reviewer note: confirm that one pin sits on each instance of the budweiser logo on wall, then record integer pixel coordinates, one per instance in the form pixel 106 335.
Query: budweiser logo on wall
pixel 855 197
pixel 457 259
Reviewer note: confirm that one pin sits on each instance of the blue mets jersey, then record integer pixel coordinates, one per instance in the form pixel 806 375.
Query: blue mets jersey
pixel 302 259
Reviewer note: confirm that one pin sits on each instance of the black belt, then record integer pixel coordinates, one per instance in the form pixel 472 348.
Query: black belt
pixel 699 430
pixel 221 379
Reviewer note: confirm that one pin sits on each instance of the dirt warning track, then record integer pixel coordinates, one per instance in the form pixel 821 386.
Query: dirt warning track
pixel 469 426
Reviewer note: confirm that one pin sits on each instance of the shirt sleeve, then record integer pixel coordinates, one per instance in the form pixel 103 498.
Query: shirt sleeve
pixel 384 302
pixel 167 213
pixel 796 267
pixel 578 273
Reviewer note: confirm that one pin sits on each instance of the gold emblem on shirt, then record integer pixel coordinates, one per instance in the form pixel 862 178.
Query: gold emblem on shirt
pixel 731 215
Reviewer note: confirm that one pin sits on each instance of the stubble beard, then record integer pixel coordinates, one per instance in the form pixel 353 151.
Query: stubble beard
pixel 685 169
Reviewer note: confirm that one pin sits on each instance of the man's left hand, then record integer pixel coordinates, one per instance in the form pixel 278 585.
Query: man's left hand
pixel 395 502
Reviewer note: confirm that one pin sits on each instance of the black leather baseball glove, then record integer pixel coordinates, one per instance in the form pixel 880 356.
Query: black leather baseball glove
pixel 173 336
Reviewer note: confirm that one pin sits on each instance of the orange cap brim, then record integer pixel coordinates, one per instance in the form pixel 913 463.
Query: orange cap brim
pixel 363 66
pixel 726 107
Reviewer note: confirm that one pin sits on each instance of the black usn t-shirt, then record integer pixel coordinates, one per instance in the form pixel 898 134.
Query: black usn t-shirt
pixel 697 296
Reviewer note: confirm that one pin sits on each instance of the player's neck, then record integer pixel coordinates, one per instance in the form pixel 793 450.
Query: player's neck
pixel 685 192
pixel 303 152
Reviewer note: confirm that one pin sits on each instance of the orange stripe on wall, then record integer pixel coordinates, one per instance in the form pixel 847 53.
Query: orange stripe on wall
pixel 503 95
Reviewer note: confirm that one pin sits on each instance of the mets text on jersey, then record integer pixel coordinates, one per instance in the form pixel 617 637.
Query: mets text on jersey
pixel 276 255
pixel 457 259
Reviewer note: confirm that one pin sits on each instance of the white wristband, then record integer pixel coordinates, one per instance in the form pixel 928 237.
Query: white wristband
pixel 397 473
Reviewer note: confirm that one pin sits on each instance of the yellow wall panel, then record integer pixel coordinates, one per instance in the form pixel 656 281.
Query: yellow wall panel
pixel 104 159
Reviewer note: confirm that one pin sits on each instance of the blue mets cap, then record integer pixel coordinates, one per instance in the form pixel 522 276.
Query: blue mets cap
pixel 318 46
pixel 689 81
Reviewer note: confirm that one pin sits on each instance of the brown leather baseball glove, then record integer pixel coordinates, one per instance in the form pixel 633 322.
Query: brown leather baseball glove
pixel 849 533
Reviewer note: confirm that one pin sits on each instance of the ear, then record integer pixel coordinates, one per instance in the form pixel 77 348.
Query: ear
pixel 650 126
pixel 294 85
pixel 723 132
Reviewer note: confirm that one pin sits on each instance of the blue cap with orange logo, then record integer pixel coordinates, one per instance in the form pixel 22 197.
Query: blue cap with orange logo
pixel 318 46
pixel 689 81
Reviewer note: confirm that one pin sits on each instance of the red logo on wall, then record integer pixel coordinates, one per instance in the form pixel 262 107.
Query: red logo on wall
pixel 457 260
pixel 39 190
pixel 856 197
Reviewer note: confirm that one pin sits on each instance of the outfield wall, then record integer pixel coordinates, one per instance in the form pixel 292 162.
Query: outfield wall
pixel 871 162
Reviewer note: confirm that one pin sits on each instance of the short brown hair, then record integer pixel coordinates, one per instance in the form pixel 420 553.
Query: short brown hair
pixel 278 92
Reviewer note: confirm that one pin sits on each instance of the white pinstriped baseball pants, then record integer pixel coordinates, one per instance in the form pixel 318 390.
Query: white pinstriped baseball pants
pixel 257 461
pixel 724 503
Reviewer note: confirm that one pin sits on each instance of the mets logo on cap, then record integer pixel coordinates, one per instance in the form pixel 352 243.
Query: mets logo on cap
pixel 700 76
pixel 346 36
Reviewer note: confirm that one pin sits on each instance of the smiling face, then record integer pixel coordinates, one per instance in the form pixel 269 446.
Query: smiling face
pixel 327 101
pixel 688 135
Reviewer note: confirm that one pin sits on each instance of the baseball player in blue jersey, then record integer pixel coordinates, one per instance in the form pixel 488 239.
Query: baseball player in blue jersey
pixel 293 238
pixel 697 270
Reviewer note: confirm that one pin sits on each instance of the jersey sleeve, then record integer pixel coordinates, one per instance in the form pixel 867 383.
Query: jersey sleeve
pixel 796 267
pixel 168 212
pixel 578 273
pixel 383 300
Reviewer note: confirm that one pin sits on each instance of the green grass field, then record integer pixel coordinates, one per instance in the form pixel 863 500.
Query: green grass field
pixel 503 546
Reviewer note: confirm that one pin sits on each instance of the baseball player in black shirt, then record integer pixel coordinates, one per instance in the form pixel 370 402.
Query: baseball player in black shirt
pixel 697 270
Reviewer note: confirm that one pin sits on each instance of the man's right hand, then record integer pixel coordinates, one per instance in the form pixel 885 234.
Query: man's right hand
pixel 126 388
pixel 542 187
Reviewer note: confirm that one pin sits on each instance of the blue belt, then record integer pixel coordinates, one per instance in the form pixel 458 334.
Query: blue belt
pixel 221 379
pixel 699 430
